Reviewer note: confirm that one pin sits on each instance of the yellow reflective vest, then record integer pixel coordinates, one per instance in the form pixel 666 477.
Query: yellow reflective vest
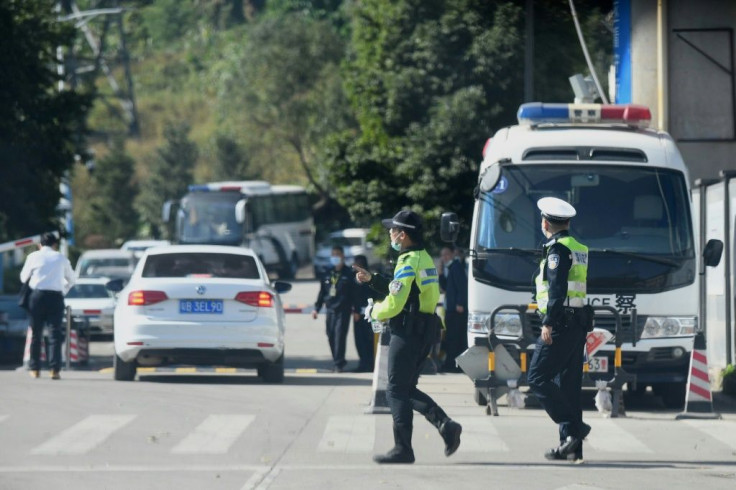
pixel 576 278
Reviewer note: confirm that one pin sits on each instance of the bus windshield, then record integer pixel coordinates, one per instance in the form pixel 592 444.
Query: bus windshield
pixel 209 217
pixel 634 220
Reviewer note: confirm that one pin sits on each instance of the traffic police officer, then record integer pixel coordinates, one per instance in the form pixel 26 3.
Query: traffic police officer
pixel 411 298
pixel 336 293
pixel 560 295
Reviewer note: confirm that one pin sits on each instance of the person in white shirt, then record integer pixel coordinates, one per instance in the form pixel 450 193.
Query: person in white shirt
pixel 50 276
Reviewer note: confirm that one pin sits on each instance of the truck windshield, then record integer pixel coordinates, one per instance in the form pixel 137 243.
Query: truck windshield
pixel 634 220
pixel 209 218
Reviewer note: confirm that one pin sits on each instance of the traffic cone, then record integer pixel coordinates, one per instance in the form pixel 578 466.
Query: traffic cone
pixel 698 399
pixel 379 400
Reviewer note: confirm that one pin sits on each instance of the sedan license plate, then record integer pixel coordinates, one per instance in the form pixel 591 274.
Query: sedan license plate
pixel 598 365
pixel 208 306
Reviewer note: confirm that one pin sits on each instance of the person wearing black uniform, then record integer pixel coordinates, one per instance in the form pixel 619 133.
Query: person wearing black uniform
pixel 49 274
pixel 411 298
pixel 556 369
pixel 454 282
pixel 361 327
pixel 336 293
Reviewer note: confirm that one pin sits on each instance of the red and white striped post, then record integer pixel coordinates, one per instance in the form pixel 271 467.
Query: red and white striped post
pixel 698 399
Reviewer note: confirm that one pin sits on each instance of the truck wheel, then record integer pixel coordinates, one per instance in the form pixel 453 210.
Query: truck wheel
pixel 480 398
pixel 124 371
pixel 289 270
pixel 272 372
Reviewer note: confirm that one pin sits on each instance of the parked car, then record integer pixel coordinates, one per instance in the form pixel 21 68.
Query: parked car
pixel 112 263
pixel 140 246
pixel 92 304
pixel 354 241
pixel 14 323
pixel 200 305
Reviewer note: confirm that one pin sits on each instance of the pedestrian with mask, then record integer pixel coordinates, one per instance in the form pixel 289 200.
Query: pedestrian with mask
pixel 336 294
pixel 49 275
pixel 411 298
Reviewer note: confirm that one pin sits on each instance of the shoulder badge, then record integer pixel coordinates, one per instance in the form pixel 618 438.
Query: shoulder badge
pixel 394 287
pixel 553 261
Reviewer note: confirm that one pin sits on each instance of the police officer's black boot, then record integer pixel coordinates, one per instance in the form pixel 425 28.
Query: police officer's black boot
pixel 450 432
pixel 401 452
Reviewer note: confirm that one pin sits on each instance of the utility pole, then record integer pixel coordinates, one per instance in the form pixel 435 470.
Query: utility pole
pixel 529 52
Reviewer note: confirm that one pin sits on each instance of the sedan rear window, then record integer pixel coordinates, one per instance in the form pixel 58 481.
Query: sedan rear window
pixel 201 265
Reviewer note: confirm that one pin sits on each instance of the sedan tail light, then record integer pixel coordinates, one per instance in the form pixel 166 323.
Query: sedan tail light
pixel 255 298
pixel 143 298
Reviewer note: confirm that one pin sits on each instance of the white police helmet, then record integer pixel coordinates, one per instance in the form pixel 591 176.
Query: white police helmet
pixel 555 210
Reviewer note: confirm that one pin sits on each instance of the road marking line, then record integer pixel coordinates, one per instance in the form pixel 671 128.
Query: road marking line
pixel 186 370
pixel 348 434
pixel 222 370
pixel 480 436
pixel 83 436
pixel 608 436
pixel 723 431
pixel 305 371
pixel 215 435
pixel 261 479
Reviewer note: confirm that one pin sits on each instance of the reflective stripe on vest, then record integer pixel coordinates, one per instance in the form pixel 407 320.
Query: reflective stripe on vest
pixel 576 278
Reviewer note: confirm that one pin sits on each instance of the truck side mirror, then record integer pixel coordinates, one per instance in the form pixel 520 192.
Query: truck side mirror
pixel 712 252
pixel 166 211
pixel 449 227
pixel 240 211
pixel 490 177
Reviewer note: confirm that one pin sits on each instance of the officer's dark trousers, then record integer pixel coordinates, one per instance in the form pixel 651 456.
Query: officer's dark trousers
pixel 456 337
pixel 364 344
pixel 406 353
pixel 555 377
pixel 338 324
pixel 46 307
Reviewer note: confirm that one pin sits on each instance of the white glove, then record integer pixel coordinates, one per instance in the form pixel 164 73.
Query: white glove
pixel 368 309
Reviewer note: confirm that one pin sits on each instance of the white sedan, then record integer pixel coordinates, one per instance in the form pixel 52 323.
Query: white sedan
pixel 92 304
pixel 200 305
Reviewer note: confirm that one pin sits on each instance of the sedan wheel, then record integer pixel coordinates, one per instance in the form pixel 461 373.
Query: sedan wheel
pixel 124 371
pixel 272 372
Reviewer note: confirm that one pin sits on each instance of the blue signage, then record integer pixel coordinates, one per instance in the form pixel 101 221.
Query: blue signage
pixel 622 50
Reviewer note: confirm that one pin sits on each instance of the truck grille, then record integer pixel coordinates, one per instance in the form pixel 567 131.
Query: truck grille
pixel 602 320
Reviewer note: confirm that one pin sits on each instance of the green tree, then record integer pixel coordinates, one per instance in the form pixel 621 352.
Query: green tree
pixel 231 162
pixel 281 89
pixel 428 81
pixel 168 175
pixel 112 213
pixel 39 125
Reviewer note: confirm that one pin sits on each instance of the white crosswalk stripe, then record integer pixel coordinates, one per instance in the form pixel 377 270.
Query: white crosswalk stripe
pixel 480 436
pixel 609 436
pixel 83 436
pixel 348 434
pixel 215 435
pixel 723 431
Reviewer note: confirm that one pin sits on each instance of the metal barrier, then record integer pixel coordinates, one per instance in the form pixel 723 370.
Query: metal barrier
pixel 492 384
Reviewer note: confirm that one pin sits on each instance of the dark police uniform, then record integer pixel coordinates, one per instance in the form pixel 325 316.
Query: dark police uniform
pixel 362 330
pixel 411 298
pixel 555 371
pixel 336 293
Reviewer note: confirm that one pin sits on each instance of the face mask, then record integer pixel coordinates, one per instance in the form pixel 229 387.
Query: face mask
pixel 396 246
pixel 335 261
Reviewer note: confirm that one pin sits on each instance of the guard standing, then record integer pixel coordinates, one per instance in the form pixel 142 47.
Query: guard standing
pixel 50 276
pixel 556 369
pixel 411 298
pixel 336 294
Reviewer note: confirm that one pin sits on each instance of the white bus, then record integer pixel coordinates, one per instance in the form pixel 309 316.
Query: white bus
pixel 631 191
pixel 273 220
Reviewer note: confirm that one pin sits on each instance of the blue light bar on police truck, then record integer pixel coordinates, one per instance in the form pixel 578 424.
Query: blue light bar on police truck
pixel 536 113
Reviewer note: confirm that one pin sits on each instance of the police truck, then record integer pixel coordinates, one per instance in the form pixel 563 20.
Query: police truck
pixel 631 190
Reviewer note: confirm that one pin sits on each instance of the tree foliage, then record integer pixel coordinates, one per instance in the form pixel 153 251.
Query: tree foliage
pixel 112 213
pixel 39 125
pixel 169 174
